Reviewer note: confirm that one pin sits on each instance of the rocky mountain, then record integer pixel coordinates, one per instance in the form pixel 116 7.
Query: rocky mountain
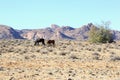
pixel 52 32
pixel 59 36
pixel 7 32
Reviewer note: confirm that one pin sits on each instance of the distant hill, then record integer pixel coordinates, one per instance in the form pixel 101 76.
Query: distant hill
pixel 52 32
pixel 7 32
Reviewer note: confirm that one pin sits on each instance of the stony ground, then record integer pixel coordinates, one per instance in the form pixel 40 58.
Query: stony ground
pixel 68 60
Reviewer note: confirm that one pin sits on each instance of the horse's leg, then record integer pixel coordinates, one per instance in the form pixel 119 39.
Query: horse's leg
pixel 43 43
pixel 54 43
pixel 35 43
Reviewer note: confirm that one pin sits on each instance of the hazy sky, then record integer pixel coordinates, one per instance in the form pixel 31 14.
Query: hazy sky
pixel 32 14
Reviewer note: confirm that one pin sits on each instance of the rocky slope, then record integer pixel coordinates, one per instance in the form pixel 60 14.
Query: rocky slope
pixel 7 32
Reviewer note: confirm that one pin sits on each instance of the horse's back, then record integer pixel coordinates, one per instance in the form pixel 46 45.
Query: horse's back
pixel 40 40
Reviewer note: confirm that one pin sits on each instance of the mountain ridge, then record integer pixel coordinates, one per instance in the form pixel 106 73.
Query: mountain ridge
pixel 52 32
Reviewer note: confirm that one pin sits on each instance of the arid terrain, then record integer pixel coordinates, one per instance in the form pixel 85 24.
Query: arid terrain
pixel 68 60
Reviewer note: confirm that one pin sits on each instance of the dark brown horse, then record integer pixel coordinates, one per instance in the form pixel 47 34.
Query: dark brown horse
pixel 51 42
pixel 37 41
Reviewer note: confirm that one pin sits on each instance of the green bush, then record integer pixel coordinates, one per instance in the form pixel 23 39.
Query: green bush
pixel 100 34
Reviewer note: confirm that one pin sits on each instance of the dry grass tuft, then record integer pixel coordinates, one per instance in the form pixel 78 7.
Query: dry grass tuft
pixel 68 60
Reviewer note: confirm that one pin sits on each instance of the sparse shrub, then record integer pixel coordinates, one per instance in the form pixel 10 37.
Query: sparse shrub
pixel 17 50
pixel 111 47
pixel 55 53
pixel 44 51
pixel 100 34
pixel 63 53
pixel 115 58
pixel 112 53
pixel 96 56
pixel 38 50
pixel 70 79
pixel 104 49
pixel 33 56
pixel 89 49
pixel 64 46
pixel 12 78
pixel 50 49
pixel 73 57
pixel 50 73
pixel 11 49
pixel 26 57
pixel 93 34
pixel 1 69
pixel 22 51
pixel 99 49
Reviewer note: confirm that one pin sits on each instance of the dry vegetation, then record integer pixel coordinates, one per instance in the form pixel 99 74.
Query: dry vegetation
pixel 68 60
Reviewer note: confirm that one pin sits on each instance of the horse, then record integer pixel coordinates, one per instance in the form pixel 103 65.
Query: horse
pixel 51 42
pixel 37 41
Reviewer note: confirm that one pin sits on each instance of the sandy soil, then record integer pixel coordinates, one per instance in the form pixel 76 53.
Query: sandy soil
pixel 68 60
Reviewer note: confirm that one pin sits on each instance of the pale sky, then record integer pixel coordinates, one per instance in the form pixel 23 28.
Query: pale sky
pixel 35 14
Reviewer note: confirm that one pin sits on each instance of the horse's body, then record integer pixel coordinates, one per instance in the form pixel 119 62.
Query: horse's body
pixel 37 41
pixel 51 42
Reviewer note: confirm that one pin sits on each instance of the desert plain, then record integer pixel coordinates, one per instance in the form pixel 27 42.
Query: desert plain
pixel 67 60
